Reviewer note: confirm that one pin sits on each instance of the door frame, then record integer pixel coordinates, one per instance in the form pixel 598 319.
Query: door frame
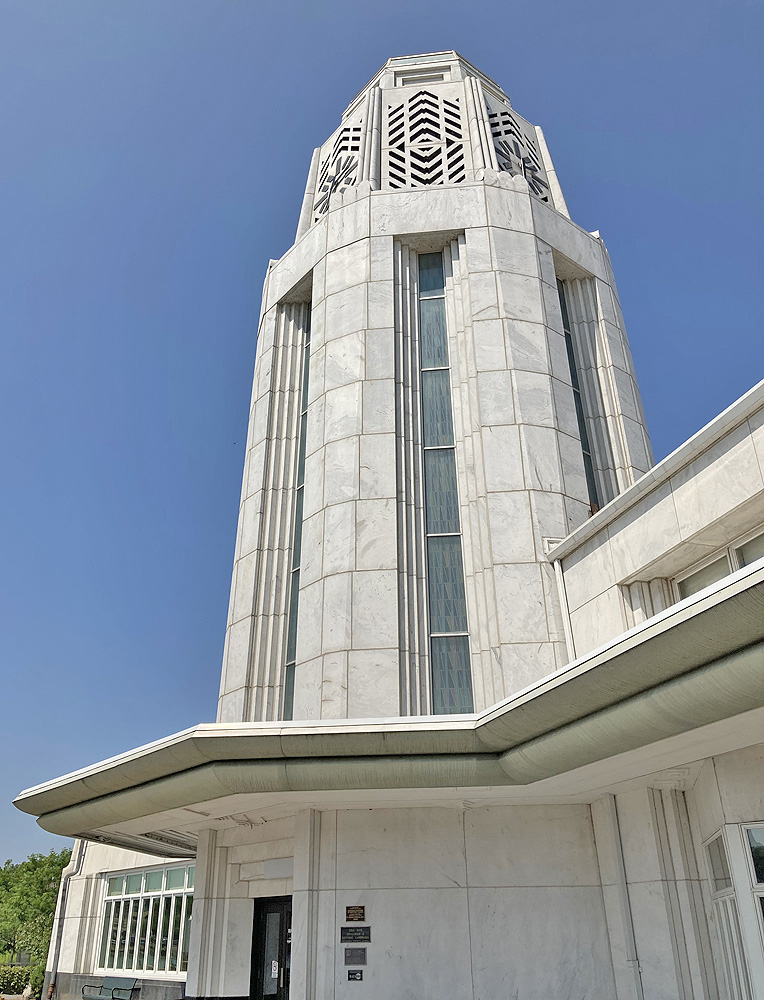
pixel 262 906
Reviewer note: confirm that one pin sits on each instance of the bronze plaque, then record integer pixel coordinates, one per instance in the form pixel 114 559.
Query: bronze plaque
pixel 355 934
pixel 355 913
pixel 355 956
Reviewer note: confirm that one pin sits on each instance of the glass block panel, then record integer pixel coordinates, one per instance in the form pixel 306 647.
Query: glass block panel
pixel 176 878
pixel 431 280
pixel 445 583
pixel 191 876
pixel 756 843
pixel 437 424
pixel 133 882
pixel 751 551
pixel 451 675
pixel 153 881
pixel 294 598
pixel 717 862
pixel 433 343
pixel 716 570
pixel 115 884
pixel 441 502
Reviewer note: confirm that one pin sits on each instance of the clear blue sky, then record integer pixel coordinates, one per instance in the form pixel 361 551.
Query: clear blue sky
pixel 153 158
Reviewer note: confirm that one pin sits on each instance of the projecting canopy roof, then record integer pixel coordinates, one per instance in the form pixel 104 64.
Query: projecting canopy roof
pixel 696 664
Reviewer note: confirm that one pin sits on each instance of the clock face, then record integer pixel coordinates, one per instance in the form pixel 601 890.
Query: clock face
pixel 341 175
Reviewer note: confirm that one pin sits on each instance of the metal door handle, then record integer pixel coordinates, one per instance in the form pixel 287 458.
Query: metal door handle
pixel 281 978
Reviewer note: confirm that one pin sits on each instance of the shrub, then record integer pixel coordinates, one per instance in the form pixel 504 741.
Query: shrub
pixel 36 979
pixel 13 978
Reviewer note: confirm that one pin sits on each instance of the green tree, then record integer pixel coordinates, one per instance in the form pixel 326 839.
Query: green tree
pixel 28 893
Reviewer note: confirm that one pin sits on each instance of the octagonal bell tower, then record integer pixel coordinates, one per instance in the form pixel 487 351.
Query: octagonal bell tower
pixel 443 388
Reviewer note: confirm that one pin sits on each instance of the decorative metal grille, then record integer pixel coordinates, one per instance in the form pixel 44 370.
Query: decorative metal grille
pixel 517 151
pixel 425 142
pixel 339 167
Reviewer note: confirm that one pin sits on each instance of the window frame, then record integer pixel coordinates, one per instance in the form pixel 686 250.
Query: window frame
pixel 731 552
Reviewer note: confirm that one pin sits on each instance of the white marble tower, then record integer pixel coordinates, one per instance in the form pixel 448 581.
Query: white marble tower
pixel 443 388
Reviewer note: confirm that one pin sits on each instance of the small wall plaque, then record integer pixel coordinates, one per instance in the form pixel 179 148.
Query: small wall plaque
pixel 355 975
pixel 355 913
pixel 355 956
pixel 355 933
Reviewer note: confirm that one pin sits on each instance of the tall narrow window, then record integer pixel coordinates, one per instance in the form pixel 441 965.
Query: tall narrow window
pixel 294 582
pixel 591 481
pixel 451 675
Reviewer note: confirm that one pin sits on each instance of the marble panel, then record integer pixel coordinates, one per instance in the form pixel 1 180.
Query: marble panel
pixel 346 312
pixel 231 706
pixel 495 395
pixel 245 574
pixel 348 223
pixel 501 456
pixel 336 612
pixel 317 380
pixel 576 512
pixel 380 354
pixel 309 623
pixel 339 530
pixel 526 346
pixel 373 683
pixel 525 663
pixel 599 621
pixel 647 530
pixel 317 325
pixel 549 520
pixel 478 250
pixel 616 346
pixel 375 609
pixel 720 479
pixel 739 775
pixel 236 657
pixel 249 524
pixel 255 471
pixel 511 529
pixel 653 936
pixel 756 427
pixel 533 399
pixel 381 258
pixel 376 534
pixel 379 406
pixel 559 945
pixel 514 252
pixel 343 416
pixel 707 801
pixel 573 474
pixel 334 686
pixel 588 571
pixel 432 210
pixel 490 354
pixel 568 239
pixel 381 302
pixel 311 551
pixel 347 266
pixel 295 264
pixel 546 263
pixel 520 297
pixel 237 948
pixel 314 430
pixel 400 848
pixel 544 845
pixel 520 601
pixel 345 361
pixel 565 407
pixel 636 445
pixel 483 297
pixel 509 209
pixel 541 459
pixel 340 471
pixel 552 309
pixel 377 466
pixel 258 427
pixel 314 483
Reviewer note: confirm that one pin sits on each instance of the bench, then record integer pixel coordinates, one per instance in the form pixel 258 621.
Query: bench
pixel 112 988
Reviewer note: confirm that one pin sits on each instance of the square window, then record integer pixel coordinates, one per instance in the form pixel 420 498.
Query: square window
pixel 191 876
pixel 115 885
pixel 153 881
pixel 751 551
pixel 133 882
pixel 176 878
pixel 703 578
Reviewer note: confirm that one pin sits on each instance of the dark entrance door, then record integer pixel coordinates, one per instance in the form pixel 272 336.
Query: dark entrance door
pixel 271 944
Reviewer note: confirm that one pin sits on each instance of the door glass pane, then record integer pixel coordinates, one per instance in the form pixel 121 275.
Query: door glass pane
pixel 751 551
pixel 438 428
pixel 448 610
pixel 451 675
pixel 756 843
pixel 441 497
pixel 271 954
pixel 716 570
pixel 432 333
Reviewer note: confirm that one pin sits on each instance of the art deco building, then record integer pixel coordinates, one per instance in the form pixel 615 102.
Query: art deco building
pixel 492 700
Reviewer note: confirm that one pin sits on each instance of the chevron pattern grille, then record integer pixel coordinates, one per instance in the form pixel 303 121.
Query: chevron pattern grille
pixel 517 152
pixel 339 167
pixel 425 142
